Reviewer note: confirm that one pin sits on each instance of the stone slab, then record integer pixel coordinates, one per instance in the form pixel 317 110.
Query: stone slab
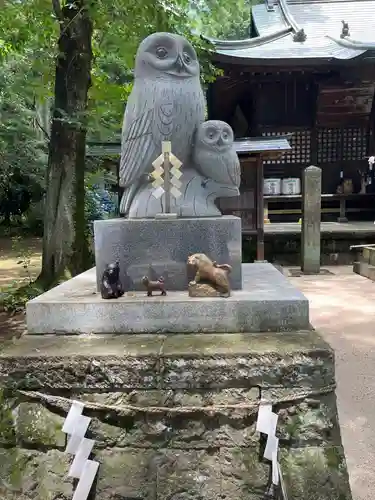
pixel 267 302
pixel 166 362
pixel 160 247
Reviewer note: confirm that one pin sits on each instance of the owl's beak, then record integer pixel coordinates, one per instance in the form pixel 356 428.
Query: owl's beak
pixel 180 64
pixel 220 142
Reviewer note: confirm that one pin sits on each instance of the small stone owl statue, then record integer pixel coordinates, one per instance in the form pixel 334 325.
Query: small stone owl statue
pixel 214 154
pixel 166 104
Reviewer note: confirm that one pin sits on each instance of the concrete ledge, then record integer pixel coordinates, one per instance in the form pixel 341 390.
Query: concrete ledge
pixel 267 302
pixel 118 362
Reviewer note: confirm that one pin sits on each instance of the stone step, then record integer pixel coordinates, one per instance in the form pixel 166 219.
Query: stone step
pixel 180 361
pixel 267 302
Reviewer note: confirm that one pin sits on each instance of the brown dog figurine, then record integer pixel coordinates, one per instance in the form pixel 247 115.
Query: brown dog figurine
pixel 153 286
pixel 215 274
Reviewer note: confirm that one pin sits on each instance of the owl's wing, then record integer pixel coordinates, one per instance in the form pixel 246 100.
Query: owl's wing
pixel 234 169
pixel 138 145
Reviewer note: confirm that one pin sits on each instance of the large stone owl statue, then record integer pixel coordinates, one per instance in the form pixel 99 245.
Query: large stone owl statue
pixel 166 103
pixel 214 154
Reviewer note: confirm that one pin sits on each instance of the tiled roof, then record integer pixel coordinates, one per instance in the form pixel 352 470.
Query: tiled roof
pixel 247 145
pixel 322 24
pixel 268 22
pixel 262 144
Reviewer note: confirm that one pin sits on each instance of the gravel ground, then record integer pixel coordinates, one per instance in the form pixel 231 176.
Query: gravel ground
pixel 342 308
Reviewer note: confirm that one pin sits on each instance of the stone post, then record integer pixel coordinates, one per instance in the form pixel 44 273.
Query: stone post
pixel 311 217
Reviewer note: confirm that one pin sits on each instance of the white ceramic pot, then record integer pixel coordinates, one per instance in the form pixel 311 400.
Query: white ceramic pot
pixel 292 185
pixel 272 187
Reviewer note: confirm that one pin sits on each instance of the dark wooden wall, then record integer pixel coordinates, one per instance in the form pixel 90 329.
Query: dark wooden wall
pixel 330 112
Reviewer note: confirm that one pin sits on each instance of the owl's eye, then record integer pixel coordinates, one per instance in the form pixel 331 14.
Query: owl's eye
pixel 211 135
pixel 161 52
pixel 225 135
pixel 186 57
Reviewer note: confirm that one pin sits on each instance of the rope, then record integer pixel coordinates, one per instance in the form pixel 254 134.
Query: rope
pixel 126 409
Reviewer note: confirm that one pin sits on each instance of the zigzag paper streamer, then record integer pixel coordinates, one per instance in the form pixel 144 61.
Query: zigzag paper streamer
pixel 266 424
pixel 75 426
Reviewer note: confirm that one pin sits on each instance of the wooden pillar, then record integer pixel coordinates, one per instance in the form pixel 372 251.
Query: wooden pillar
pixel 260 209
pixel 343 218
pixel 266 217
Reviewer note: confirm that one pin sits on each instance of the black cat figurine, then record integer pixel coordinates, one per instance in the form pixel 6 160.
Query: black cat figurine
pixel 111 287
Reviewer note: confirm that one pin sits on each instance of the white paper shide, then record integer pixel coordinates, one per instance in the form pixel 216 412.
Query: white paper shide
pixel 266 424
pixel 75 426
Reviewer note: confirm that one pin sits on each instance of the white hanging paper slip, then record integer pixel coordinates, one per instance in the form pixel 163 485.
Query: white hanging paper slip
pixel 81 426
pixel 75 412
pixel 73 444
pixel 87 478
pixel 263 422
pixel 273 423
pixel 272 446
pixel 275 469
pixel 282 484
pixel 83 453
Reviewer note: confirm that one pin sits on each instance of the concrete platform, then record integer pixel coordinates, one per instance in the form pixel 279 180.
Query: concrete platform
pixel 267 302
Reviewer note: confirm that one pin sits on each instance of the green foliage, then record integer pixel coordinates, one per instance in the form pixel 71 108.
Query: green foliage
pixel 22 151
pixel 101 201
pixel 29 34
pixel 222 19
pixel 14 296
pixel 28 40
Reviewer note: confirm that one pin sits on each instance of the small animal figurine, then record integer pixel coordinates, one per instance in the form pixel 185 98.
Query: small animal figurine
pixel 111 287
pixel 345 30
pixel 153 286
pixel 215 274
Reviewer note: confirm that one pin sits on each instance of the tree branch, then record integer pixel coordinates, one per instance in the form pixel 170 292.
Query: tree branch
pixel 42 129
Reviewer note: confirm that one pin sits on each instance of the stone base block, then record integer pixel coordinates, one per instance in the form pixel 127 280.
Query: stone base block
pixel 267 302
pixel 364 269
pixel 160 247
pixel 173 417
pixel 204 290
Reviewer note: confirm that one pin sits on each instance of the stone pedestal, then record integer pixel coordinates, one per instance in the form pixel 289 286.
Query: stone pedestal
pixel 266 302
pixel 160 247
pixel 173 417
pixel 203 290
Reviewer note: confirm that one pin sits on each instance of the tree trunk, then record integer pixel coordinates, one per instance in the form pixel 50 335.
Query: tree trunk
pixel 64 242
